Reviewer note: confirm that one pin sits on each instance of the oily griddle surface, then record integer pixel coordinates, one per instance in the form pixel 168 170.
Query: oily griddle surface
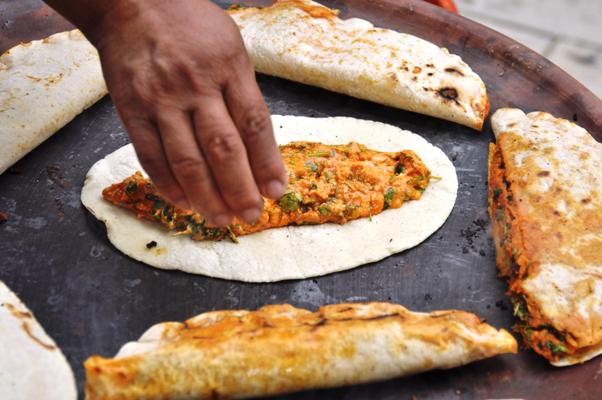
pixel 92 299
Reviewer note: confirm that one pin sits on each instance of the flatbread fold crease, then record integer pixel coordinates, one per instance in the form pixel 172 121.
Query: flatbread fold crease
pixel 280 348
pixel 545 202
pixel 306 42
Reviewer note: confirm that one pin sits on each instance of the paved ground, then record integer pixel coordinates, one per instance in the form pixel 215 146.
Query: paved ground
pixel 568 32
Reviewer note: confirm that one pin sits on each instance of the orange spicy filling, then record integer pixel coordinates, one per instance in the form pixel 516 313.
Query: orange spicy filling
pixel 536 330
pixel 327 183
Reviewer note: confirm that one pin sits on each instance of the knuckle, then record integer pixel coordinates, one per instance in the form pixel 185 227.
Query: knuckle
pixel 189 169
pixel 223 148
pixel 256 123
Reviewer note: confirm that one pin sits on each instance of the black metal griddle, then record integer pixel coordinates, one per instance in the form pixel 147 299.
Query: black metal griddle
pixel 92 299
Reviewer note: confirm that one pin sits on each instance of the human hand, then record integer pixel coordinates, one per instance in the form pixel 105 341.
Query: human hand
pixel 185 89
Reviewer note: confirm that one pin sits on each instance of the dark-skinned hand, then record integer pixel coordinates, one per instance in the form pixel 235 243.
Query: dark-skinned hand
pixel 185 90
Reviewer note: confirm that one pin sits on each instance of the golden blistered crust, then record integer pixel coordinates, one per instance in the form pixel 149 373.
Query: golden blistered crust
pixel 280 348
pixel 549 202
pixel 308 43
pixel 535 328
pixel 546 210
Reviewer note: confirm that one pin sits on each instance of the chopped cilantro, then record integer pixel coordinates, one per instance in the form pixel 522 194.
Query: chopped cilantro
pixel 213 233
pixel 388 197
pixel 556 348
pixel 324 210
pixel 158 202
pixel 320 154
pixel 496 194
pixel 195 227
pixel 290 201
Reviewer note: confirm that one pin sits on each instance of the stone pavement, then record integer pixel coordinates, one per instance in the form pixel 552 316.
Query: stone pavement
pixel 568 32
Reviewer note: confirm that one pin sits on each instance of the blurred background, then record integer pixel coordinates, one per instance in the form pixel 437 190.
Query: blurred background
pixel 568 32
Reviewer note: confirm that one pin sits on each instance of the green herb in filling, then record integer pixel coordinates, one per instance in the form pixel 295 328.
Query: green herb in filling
pixel 290 201
pixel 555 348
pixel 388 197
pixel 320 154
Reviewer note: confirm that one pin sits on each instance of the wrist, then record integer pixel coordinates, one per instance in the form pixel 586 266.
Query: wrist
pixel 110 16
pixel 97 18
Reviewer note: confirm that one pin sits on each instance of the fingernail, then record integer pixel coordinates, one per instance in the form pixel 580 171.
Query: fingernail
pixel 251 214
pixel 222 219
pixel 275 189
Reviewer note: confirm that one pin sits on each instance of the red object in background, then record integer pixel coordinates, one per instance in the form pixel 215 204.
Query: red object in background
pixel 447 4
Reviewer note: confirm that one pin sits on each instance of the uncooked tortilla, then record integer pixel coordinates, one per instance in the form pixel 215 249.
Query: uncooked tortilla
pixel 32 367
pixel 293 252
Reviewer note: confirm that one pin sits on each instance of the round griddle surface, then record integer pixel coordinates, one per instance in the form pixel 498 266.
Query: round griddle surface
pixel 92 299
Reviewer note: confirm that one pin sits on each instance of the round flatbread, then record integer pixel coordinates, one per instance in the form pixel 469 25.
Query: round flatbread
pixel 293 252
pixel 32 367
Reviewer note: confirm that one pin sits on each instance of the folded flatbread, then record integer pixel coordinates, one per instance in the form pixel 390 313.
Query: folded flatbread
pixel 32 367
pixel 545 202
pixel 44 84
pixel 280 348
pixel 292 252
pixel 306 42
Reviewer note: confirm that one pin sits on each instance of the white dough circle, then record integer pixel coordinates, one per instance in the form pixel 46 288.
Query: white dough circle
pixel 293 252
